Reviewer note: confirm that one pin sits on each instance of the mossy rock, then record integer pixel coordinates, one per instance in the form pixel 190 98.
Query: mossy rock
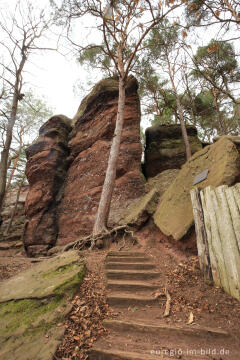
pixel 33 306
pixel 234 139
pixel 162 181
pixel 174 214
pixel 138 212
pixel 165 148
pixel 106 87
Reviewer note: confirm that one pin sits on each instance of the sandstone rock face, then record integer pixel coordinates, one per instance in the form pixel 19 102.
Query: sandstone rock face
pixel 46 169
pixel 90 145
pixel 174 215
pixel 66 170
pixel 165 148
pixel 33 307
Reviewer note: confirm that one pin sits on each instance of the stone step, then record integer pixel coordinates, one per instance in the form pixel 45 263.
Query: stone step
pixel 128 259
pixel 131 274
pixel 105 354
pixel 129 266
pixel 128 285
pixel 11 245
pixel 126 253
pixel 113 354
pixel 123 299
pixel 164 330
pixel 13 237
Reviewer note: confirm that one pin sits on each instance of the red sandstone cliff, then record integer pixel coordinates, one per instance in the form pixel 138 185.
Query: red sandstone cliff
pixel 62 202
pixel 90 145
pixel 45 170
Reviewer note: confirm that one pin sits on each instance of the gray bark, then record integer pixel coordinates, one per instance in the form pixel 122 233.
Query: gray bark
pixel 108 186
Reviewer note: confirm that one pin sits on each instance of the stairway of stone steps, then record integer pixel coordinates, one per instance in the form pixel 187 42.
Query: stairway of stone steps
pixel 140 331
pixel 11 245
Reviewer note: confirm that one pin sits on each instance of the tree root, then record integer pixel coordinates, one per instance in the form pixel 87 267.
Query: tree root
pixel 92 239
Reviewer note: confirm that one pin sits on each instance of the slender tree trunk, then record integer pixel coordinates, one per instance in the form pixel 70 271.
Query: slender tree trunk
pixel 11 122
pixel 15 208
pixel 176 117
pixel 193 108
pixel 183 128
pixel 180 112
pixel 6 148
pixel 15 164
pixel 108 186
pixel 219 115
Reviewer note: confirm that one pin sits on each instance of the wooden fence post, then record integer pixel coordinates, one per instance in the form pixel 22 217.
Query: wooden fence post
pixel 202 244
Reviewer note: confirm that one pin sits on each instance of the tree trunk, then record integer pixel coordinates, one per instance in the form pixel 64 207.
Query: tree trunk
pixel 15 164
pixel 14 209
pixel 180 112
pixel 108 186
pixel 183 128
pixel 219 115
pixel 202 243
pixel 6 148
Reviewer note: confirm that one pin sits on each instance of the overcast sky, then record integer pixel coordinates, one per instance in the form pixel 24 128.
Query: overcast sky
pixel 53 75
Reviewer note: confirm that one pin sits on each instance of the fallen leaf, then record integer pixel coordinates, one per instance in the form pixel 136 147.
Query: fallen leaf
pixel 190 320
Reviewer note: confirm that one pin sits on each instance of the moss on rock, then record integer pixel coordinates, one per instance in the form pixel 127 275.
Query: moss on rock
pixel 106 87
pixel 165 148
pixel 31 327
pixel 174 214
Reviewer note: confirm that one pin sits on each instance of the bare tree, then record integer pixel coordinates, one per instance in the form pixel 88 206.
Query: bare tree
pixel 21 33
pixel 122 25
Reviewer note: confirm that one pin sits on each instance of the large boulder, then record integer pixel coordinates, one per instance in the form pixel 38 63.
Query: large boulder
pixel 90 144
pixel 139 211
pixel 33 306
pixel 165 148
pixel 46 170
pixel 174 214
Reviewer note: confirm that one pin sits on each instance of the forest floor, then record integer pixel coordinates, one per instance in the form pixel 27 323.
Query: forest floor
pixel 191 298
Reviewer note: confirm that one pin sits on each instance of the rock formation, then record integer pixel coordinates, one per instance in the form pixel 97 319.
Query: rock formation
pixel 165 148
pixel 46 170
pixel 139 212
pixel 174 215
pixel 90 144
pixel 66 170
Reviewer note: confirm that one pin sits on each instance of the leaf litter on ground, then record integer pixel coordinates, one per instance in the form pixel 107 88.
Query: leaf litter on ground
pixel 84 323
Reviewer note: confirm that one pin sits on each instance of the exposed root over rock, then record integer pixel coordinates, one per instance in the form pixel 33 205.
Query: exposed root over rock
pixel 91 241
